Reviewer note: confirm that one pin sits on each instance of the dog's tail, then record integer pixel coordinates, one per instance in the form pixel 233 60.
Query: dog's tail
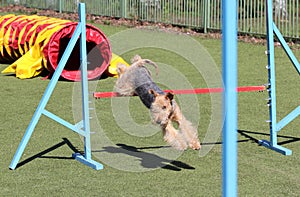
pixel 138 61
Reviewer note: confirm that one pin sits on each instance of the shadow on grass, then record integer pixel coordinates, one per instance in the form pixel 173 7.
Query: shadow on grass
pixel 215 143
pixel 52 148
pixel 148 160
pixel 249 135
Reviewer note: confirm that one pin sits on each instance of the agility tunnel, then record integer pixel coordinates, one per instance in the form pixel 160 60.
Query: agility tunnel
pixel 33 44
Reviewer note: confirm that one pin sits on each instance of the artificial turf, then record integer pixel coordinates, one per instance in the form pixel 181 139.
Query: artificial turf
pixel 142 165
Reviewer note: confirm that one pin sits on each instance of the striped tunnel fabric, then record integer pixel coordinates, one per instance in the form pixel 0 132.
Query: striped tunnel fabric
pixel 33 44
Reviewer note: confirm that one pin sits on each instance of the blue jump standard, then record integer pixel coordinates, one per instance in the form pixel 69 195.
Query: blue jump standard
pixel 275 126
pixel 83 127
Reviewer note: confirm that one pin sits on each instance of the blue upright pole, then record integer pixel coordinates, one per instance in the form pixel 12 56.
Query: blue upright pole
pixel 84 85
pixel 86 158
pixel 271 72
pixel 229 59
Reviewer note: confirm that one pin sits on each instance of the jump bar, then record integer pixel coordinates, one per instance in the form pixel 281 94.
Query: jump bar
pixel 188 91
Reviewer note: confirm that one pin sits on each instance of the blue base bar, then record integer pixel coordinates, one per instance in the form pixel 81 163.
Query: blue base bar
pixel 276 148
pixel 89 162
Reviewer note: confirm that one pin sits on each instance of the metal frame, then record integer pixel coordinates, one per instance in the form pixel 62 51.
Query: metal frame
pixel 83 127
pixel 275 126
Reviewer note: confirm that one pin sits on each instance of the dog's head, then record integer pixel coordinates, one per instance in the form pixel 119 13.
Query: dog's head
pixel 162 108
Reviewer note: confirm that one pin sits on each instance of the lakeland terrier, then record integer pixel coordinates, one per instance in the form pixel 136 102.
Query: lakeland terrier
pixel 137 80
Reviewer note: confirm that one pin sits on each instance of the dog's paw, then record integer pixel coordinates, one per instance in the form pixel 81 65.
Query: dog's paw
pixel 195 145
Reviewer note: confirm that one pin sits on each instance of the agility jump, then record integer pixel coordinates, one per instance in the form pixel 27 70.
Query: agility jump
pixel 230 98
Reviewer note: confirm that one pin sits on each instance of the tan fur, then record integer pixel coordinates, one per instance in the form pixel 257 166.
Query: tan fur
pixel 164 110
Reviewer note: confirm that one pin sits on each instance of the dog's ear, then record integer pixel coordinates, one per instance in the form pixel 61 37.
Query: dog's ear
pixel 170 96
pixel 151 91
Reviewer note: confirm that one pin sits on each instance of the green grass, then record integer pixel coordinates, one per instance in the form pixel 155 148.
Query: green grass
pixel 55 173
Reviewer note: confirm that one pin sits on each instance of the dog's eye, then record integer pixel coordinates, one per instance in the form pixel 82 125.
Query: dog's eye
pixel 164 107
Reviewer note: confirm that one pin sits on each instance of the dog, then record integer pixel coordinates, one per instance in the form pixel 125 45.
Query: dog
pixel 136 80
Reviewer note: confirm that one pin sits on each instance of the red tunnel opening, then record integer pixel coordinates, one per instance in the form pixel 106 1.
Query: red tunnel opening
pixel 98 53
